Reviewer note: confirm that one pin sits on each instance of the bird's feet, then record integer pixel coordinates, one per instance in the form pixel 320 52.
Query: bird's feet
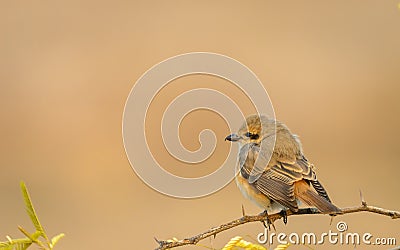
pixel 267 222
pixel 284 215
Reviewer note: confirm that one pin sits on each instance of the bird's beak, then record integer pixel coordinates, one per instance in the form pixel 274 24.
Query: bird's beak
pixel 232 137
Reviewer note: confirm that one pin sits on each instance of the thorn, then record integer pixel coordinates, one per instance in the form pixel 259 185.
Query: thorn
pixel 330 223
pixel 363 202
pixel 243 212
pixel 158 241
pixel 211 243
pixel 215 235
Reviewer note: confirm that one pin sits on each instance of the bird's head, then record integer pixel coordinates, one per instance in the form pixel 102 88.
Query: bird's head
pixel 253 130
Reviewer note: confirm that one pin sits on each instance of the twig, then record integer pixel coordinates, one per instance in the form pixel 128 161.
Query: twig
pixel 271 217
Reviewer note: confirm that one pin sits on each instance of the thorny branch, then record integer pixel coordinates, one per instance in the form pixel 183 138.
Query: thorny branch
pixel 270 218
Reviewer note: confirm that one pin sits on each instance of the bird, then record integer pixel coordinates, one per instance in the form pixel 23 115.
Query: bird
pixel 273 171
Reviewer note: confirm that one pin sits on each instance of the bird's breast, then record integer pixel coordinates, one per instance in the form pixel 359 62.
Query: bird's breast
pixel 252 193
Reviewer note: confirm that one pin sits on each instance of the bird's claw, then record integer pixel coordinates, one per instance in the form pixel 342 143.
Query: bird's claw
pixel 267 222
pixel 284 215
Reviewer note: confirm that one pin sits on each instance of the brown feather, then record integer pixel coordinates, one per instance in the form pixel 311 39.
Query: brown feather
pixel 303 191
pixel 274 166
pixel 278 191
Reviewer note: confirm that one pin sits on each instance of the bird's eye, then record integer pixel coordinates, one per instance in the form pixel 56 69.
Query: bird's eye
pixel 248 134
pixel 251 135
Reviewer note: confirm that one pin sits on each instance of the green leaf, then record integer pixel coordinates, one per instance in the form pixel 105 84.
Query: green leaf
pixel 34 237
pixel 282 247
pixel 31 211
pixel 5 246
pixel 239 242
pixel 55 239
pixel 16 244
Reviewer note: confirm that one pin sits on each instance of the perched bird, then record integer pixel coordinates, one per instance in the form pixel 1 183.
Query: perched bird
pixel 276 176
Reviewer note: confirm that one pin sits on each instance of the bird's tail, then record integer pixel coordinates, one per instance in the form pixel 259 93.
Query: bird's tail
pixel 304 192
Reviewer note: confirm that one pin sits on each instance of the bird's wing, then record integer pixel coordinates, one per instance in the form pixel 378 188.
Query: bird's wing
pixel 273 181
pixel 309 174
pixel 278 183
pixel 276 179
pixel 252 164
pixel 261 160
pixel 278 188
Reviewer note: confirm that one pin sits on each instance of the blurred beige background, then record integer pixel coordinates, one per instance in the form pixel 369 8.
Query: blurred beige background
pixel 66 69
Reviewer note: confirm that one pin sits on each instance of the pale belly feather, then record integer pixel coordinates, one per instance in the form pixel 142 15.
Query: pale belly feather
pixel 261 200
